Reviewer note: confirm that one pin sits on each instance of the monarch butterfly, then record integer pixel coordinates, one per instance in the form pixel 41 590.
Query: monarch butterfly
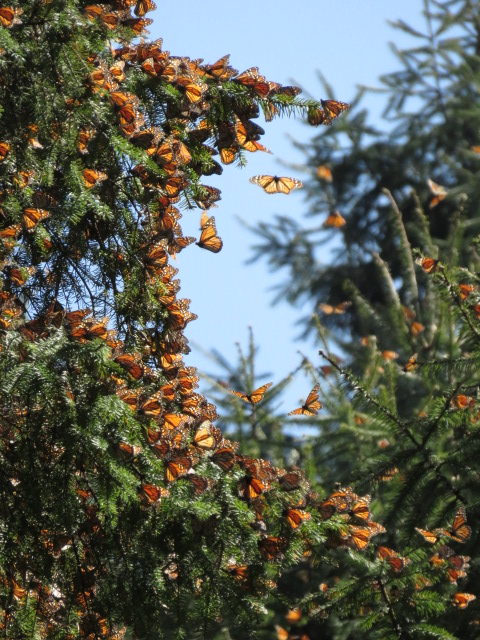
pixel 330 309
pixel 411 364
pixel 359 537
pixel 389 355
pixel 193 92
pixel 311 406
pixel 462 600
pixel 225 457
pixel 4 150
pixel 220 70
pixel 465 290
pixel 238 571
pixel 152 493
pixel 228 154
pixel 290 481
pixel 200 484
pixel 459 531
pixel 9 16
pixel 438 191
pixel 208 237
pixel 137 24
pixel 275 184
pixel 360 508
pixel 251 78
pixel 255 396
pixel 205 436
pixel 91 177
pixel 251 487
pixel 429 536
pixel 333 108
pixel 429 265
pixel 394 560
pixel 177 467
pixel 208 197
pixel 130 450
pixel 84 136
pixel 335 219
pixel 131 364
pixel 295 517
pixel 144 6
pixel 324 173
pixel 31 217
pixel 461 401
pixel 272 546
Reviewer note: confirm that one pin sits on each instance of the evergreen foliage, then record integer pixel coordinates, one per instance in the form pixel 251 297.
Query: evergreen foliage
pixel 400 305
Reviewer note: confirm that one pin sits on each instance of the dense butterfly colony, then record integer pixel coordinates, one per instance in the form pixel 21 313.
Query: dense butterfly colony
pixel 41 249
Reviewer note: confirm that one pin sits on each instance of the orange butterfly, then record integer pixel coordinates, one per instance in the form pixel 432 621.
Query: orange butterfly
pixel 143 6
pixel 255 396
pixel 152 493
pixel 31 217
pixel 394 560
pixel 411 364
pixel 438 191
pixel 251 78
pixel 429 265
pixel 295 517
pixel 330 309
pixel 9 16
pixel 459 531
pixel 333 108
pixel 274 184
pixel 220 70
pixel 311 406
pixel 206 436
pixel 177 467
pixel 290 481
pixel 131 364
pixel 324 173
pixel 225 457
pixel 335 219
pixel 84 136
pixel 91 177
pixel 271 547
pixel 462 600
pixel 251 487
pixel 208 237
pixel 4 150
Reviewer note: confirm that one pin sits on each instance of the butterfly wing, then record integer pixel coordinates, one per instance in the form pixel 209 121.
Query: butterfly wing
pixel 208 237
pixel 311 406
pixel 275 184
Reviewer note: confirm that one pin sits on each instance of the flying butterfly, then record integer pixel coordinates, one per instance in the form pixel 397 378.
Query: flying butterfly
pixel 255 396
pixel 333 108
pixel 335 220
pixel 460 531
pixel 311 406
pixel 438 192
pixel 208 237
pixel 276 184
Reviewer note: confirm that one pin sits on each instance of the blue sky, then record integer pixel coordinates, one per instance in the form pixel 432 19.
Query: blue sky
pixel 348 42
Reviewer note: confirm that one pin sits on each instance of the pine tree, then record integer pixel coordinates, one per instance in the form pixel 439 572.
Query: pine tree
pixel 426 156
pixel 400 412
pixel 125 511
